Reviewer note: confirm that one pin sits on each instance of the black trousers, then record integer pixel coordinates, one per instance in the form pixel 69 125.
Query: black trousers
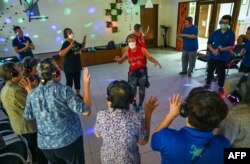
pixel 37 154
pixel 71 154
pixel 73 77
pixel 220 67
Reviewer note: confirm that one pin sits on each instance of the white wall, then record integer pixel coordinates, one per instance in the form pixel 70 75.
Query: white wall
pixel 76 14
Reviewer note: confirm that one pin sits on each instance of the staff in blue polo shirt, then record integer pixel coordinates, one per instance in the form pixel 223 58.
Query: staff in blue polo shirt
pixel 245 64
pixel 190 46
pixel 219 45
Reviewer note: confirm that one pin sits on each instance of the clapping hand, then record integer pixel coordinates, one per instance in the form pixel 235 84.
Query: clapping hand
pixel 26 84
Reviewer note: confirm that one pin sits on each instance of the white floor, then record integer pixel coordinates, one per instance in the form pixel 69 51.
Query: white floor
pixel 164 82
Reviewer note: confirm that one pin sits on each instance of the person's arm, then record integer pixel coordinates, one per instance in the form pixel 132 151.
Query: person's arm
pixel 144 33
pixel 98 124
pixel 150 57
pixel 121 59
pixel 31 45
pixel 174 111
pixel 149 106
pixel 17 50
pixel 231 43
pixel 86 91
pixel 64 51
pixel 191 36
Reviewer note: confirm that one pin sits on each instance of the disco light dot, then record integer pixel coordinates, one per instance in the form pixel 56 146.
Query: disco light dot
pixel 2 40
pixel 53 27
pixel 88 24
pixel 35 36
pixel 93 36
pixel 5 1
pixel 12 37
pixel 6 49
pixel 59 31
pixel 67 11
pixel 7 20
pixel 92 10
pixel 20 20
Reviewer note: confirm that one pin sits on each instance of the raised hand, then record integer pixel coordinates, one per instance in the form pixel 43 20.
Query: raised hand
pixel 26 84
pixel 86 77
pixel 150 105
pixel 175 105
pixel 117 59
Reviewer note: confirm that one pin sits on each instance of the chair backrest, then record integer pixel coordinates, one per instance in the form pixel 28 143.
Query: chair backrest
pixel 202 55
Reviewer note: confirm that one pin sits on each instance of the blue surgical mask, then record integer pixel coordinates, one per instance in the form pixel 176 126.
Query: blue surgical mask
pixel 223 26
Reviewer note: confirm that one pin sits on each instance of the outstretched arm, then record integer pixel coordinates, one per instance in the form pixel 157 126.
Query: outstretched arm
pixel 174 111
pixel 150 57
pixel 149 106
pixel 121 59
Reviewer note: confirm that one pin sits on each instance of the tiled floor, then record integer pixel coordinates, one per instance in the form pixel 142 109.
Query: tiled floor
pixel 164 82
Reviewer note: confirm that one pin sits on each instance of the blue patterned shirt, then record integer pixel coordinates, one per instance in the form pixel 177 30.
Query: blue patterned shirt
pixel 55 108
pixel 121 131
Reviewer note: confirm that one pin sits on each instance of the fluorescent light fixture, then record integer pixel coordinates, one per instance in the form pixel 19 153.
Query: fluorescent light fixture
pixel 149 4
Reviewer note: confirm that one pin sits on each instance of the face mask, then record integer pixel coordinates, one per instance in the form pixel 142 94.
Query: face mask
pixel 131 45
pixel 223 26
pixel 71 36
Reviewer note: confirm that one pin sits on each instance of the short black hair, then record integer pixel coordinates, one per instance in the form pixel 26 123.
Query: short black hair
pixel 203 113
pixel 248 28
pixel 120 95
pixel 228 17
pixel 189 19
pixel 15 28
pixel 137 27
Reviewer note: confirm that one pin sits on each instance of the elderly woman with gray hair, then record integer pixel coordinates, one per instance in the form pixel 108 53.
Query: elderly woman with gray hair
pixel 56 109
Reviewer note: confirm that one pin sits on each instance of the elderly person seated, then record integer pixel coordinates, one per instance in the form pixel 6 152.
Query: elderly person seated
pixel 13 98
pixel 120 128
pixel 236 125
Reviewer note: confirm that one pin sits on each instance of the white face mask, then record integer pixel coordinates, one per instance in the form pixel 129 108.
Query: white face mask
pixel 132 45
pixel 71 36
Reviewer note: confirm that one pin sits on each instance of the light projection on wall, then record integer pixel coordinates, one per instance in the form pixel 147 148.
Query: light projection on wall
pixel 92 10
pixel 67 11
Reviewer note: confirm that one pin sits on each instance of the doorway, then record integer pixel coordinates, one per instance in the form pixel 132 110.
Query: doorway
pixel 208 15
pixel 149 19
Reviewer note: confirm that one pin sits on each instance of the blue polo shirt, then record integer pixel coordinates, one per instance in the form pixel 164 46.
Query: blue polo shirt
pixel 188 43
pixel 246 58
pixel 184 145
pixel 217 39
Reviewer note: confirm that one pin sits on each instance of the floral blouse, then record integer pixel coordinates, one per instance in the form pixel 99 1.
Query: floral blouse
pixel 121 131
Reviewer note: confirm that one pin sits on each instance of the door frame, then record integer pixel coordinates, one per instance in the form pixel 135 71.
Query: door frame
pixel 157 25
pixel 215 3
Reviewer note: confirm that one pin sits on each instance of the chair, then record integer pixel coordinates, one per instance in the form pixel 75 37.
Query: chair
pixel 232 65
pixel 202 56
